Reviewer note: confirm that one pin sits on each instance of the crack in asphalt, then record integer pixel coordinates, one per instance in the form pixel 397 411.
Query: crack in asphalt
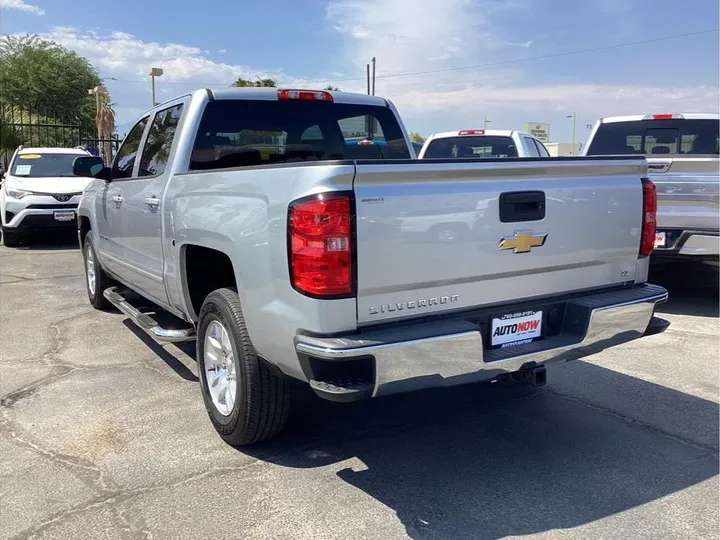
pixel 122 496
pixel 19 279
pixel 713 451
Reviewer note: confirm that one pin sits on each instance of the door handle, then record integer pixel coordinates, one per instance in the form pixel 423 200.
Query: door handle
pixel 152 202
pixel 117 199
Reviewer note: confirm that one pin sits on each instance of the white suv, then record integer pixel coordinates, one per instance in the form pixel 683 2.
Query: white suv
pixel 40 192
pixel 482 144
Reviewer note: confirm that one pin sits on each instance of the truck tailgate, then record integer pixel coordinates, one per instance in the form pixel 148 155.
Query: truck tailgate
pixel 434 236
pixel 687 191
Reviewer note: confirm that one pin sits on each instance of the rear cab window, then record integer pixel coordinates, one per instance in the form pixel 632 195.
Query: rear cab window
pixel 465 146
pixel 657 138
pixel 246 133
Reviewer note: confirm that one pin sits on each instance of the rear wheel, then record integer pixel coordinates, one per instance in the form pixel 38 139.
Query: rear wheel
pixel 247 402
pixel 96 280
pixel 11 238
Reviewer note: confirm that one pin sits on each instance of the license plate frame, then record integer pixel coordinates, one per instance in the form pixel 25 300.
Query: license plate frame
pixel 660 240
pixel 64 215
pixel 517 328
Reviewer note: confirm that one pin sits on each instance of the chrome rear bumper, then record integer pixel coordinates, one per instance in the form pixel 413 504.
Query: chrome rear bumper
pixel 450 352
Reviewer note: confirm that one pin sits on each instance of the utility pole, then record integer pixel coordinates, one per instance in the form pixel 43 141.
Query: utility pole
pixel 373 76
pixel 154 72
pixel 486 122
pixel 573 133
pixel 367 68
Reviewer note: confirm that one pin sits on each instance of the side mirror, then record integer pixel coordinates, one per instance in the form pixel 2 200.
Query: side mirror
pixel 91 166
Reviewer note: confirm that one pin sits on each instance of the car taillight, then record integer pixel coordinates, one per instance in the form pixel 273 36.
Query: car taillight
pixel 649 222
pixel 305 95
pixel 663 116
pixel 320 245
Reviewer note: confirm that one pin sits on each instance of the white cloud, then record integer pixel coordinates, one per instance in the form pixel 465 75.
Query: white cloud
pixel 468 32
pixel 125 57
pixel 20 5
pixel 222 51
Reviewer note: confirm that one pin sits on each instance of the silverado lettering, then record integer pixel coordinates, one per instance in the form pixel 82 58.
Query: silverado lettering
pixel 412 304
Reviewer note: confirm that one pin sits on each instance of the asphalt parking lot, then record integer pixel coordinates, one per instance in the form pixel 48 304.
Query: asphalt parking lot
pixel 103 434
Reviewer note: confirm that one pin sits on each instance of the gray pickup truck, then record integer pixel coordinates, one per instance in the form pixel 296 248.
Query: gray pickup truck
pixel 243 219
pixel 683 162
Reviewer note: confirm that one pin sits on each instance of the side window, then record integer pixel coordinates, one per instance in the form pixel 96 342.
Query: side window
pixel 125 159
pixel 159 141
pixel 541 149
pixel 531 148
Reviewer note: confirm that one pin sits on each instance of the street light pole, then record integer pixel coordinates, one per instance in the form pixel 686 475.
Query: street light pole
pixel 154 72
pixel 486 122
pixel 573 132
pixel 373 76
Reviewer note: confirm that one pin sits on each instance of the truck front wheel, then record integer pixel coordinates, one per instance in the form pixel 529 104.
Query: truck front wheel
pixel 246 401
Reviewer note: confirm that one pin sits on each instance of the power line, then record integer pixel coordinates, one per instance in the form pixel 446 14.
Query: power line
pixel 474 66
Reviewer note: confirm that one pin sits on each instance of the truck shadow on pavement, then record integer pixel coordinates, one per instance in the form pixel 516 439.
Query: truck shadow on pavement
pixel 480 461
pixel 693 289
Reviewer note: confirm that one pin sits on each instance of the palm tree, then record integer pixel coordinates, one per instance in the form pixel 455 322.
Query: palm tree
pixel 105 122
pixel 331 88
pixel 260 83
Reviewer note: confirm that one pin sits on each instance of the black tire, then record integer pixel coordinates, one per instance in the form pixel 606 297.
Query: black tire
pixel 102 281
pixel 262 398
pixel 11 238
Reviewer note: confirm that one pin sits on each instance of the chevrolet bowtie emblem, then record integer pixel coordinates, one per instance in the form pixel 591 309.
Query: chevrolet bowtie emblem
pixel 522 241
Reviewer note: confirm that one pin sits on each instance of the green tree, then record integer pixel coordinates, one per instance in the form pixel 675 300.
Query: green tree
pixel 44 77
pixel 260 83
pixel 416 137
pixel 331 88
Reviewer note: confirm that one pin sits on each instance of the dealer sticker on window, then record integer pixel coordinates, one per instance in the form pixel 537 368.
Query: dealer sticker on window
pixel 516 328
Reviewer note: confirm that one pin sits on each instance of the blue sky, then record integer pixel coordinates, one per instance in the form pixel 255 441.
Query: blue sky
pixel 317 42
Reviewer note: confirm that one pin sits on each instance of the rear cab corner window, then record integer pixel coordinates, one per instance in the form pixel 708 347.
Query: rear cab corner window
pixel 531 147
pixel 541 149
pixel 246 133
pixel 125 159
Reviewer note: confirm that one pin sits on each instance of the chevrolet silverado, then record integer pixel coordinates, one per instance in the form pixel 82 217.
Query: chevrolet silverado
pixel 243 219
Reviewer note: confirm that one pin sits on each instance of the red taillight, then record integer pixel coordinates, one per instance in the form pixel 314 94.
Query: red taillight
pixel 305 95
pixel 471 132
pixel 320 250
pixel 663 116
pixel 649 220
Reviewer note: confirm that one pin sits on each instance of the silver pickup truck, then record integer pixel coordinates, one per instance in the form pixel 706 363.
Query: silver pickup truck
pixel 243 219
pixel 683 162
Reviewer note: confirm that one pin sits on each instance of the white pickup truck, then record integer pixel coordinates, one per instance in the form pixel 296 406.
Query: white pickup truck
pixel 242 218
pixel 682 151
pixel 482 144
